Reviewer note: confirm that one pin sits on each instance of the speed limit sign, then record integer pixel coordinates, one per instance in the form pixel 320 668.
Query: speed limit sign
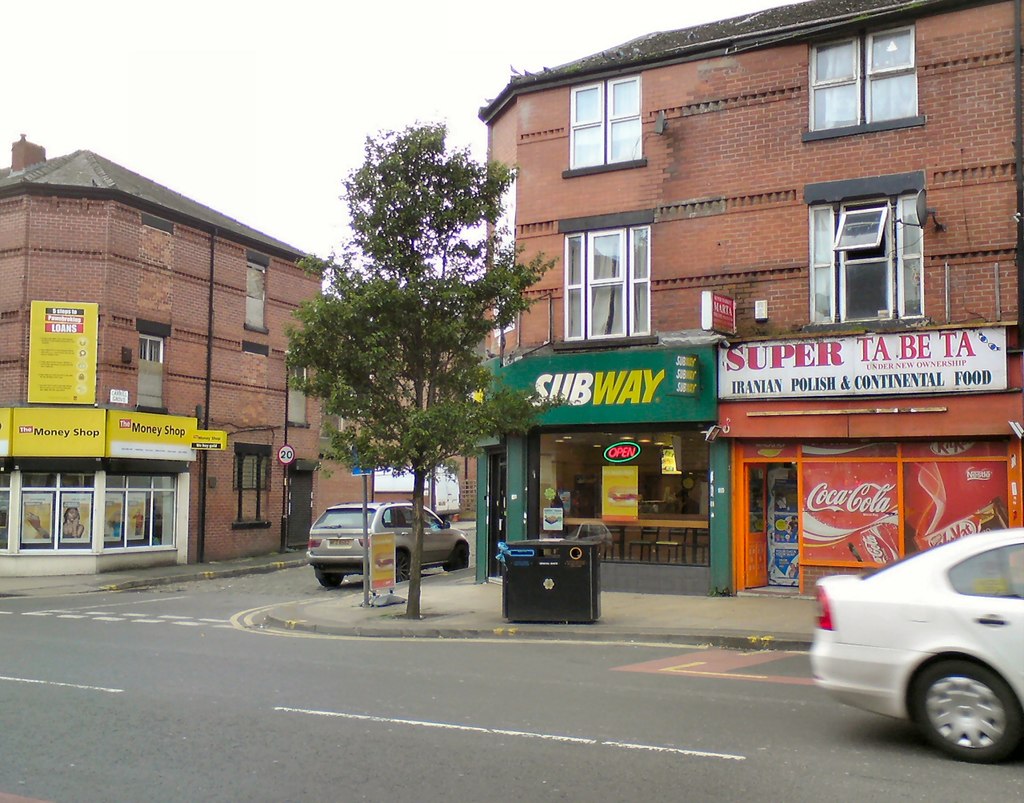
pixel 286 455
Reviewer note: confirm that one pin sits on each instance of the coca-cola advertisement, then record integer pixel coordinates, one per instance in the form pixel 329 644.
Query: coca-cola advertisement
pixel 946 500
pixel 850 513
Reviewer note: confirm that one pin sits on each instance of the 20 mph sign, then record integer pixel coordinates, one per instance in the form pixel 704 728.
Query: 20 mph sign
pixel 286 455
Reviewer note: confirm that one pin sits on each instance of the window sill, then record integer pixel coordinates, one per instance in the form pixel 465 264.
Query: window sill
pixel 249 327
pixel 607 343
pixel 250 525
pixel 875 325
pixel 146 408
pixel 605 168
pixel 863 128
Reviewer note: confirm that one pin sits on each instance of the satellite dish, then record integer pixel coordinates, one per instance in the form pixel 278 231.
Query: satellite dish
pixel 918 213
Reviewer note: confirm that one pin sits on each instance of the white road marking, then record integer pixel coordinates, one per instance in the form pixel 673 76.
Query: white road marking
pixel 216 621
pixel 523 734
pixel 71 616
pixel 146 621
pixel 6 612
pixel 173 616
pixel 65 685
pixel 186 624
pixel 37 613
pixel 108 618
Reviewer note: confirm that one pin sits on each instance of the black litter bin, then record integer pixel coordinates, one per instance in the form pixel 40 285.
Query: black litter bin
pixel 552 580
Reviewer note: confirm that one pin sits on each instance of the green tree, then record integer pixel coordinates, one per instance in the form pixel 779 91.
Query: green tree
pixel 393 342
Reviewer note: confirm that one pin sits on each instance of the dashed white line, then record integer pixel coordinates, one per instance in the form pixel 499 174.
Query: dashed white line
pixel 523 734
pixel 65 685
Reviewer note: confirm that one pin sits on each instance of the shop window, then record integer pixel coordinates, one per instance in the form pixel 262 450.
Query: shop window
pixel 296 398
pixel 255 290
pixel 139 511
pixel 5 509
pixel 151 371
pixel 862 80
pixel 605 123
pixel 56 511
pixel 866 263
pixel 252 467
pixel 647 500
pixel 607 284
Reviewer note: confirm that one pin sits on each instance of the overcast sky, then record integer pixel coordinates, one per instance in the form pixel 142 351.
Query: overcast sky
pixel 259 108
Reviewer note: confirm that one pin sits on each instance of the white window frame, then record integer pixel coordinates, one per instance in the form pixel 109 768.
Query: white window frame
pixel 605 121
pixel 903 256
pixel 296 398
pixel 865 75
pixel 633 286
pixel 151 348
pixel 255 306
pixel 151 371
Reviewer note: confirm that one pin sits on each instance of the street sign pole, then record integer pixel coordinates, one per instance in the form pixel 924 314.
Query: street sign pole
pixel 366 544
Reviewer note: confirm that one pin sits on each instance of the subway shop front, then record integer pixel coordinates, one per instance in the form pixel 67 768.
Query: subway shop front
pixel 623 457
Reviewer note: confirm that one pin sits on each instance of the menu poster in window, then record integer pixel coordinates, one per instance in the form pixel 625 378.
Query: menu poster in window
pixel 850 513
pixel 945 501
pixel 37 517
pixel 75 517
pixel 113 520
pixel 553 519
pixel 619 492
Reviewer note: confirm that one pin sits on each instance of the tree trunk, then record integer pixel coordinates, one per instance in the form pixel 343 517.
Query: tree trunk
pixel 412 606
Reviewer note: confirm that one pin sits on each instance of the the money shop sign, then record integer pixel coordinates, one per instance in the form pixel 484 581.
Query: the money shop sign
pixel 62 353
pixel 944 361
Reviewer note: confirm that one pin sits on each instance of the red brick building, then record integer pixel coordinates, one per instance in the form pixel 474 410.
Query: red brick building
pixel 174 317
pixel 842 183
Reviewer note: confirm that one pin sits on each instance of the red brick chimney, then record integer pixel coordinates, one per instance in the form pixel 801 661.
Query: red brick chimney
pixel 26 154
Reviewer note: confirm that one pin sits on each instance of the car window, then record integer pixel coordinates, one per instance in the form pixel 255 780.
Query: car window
pixel 389 518
pixel 347 518
pixel 398 518
pixel 431 521
pixel 996 573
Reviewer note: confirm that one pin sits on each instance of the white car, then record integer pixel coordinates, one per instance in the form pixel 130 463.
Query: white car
pixel 937 638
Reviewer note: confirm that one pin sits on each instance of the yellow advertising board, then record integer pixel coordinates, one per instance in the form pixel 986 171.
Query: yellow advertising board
pixel 210 439
pixel 149 435
pixel 62 353
pixel 57 432
pixel 620 491
pixel 5 431
pixel 382 561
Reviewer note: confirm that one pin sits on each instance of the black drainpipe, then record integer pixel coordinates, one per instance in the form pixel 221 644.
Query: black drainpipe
pixel 201 539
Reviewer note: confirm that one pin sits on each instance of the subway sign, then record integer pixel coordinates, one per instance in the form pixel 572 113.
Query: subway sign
pixel 622 452
pixel 620 386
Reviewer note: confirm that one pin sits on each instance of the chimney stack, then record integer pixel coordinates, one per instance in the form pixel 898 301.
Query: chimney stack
pixel 25 154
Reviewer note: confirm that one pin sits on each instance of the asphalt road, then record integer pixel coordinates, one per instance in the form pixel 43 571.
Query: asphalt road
pixel 162 695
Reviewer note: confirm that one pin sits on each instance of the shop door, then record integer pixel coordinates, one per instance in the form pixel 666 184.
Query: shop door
pixel 772 548
pixel 497 481
pixel 757 527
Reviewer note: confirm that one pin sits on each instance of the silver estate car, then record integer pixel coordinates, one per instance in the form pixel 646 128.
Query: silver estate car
pixel 336 540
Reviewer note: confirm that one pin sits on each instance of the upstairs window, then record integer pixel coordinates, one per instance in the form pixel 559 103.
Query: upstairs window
pixel 866 79
pixel 255 290
pixel 607 284
pixel 605 123
pixel 151 371
pixel 296 398
pixel 866 263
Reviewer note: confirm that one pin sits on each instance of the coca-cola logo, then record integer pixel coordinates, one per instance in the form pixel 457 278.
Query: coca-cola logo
pixel 979 474
pixel 868 497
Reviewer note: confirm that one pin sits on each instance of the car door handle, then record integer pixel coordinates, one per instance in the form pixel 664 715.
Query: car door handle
pixel 990 620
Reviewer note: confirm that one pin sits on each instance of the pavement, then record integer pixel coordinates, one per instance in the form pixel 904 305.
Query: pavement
pixel 454 605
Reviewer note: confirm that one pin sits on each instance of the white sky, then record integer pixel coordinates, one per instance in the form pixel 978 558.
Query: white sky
pixel 259 108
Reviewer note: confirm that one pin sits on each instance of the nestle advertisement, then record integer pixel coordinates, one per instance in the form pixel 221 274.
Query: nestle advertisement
pixel 850 513
pixel 945 501
pixel 935 361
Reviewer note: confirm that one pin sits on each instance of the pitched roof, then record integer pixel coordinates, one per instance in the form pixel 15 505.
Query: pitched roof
pixel 89 174
pixel 754 30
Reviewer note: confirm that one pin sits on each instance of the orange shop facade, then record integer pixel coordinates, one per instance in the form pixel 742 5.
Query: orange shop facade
pixel 851 452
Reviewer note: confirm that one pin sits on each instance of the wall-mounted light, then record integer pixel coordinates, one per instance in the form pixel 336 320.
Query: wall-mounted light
pixel 660 123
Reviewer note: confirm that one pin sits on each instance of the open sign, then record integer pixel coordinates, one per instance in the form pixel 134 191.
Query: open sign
pixel 622 452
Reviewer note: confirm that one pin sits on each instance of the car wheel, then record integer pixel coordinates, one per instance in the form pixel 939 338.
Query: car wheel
pixel 967 711
pixel 329 580
pixel 459 558
pixel 401 566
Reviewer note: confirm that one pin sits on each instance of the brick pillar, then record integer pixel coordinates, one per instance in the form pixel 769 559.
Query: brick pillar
pixel 26 154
